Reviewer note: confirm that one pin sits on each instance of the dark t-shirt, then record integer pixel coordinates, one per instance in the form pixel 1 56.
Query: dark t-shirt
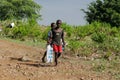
pixel 57 35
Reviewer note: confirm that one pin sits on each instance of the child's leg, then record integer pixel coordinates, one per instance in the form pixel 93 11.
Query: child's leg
pixel 43 58
pixel 56 55
pixel 59 51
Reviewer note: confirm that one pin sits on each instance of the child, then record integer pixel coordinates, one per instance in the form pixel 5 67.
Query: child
pixel 53 25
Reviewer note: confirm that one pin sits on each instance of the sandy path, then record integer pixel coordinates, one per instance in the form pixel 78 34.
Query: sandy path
pixel 13 69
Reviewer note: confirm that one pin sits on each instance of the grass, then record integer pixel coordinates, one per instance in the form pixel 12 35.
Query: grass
pixel 111 68
pixel 41 44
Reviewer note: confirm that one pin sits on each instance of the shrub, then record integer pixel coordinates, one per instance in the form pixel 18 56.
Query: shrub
pixel 99 37
pixel 68 29
pixel 75 45
pixel 24 29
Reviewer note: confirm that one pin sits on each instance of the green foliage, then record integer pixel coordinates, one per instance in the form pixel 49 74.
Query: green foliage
pixel 99 37
pixel 114 32
pixel 45 33
pixel 104 11
pixel 99 68
pixel 84 31
pixel 114 45
pixel 115 65
pixel 19 9
pixel 68 29
pixel 75 45
pixel 23 31
pixel 96 38
pixel 112 67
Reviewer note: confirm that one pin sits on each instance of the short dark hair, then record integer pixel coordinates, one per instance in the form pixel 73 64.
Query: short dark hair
pixel 52 24
pixel 58 21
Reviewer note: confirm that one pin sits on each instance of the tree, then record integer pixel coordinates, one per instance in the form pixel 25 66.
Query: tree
pixel 104 11
pixel 19 9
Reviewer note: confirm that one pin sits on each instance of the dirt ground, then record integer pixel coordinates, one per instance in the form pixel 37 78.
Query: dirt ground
pixel 69 68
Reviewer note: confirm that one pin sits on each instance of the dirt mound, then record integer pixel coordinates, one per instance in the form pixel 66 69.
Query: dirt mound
pixel 14 65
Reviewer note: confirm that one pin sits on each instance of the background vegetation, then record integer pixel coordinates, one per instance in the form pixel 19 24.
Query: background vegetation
pixel 19 10
pixel 98 40
pixel 104 11
pixel 86 40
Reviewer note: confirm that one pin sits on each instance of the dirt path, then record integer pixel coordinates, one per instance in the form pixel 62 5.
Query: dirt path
pixel 11 68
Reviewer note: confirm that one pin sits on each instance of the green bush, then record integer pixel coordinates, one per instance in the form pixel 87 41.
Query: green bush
pixel 75 45
pixel 45 33
pixel 28 30
pixel 83 40
pixel 99 37
pixel 114 32
pixel 68 29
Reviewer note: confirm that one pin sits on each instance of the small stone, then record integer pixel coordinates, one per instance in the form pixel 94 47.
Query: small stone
pixel 82 78
pixel 24 58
